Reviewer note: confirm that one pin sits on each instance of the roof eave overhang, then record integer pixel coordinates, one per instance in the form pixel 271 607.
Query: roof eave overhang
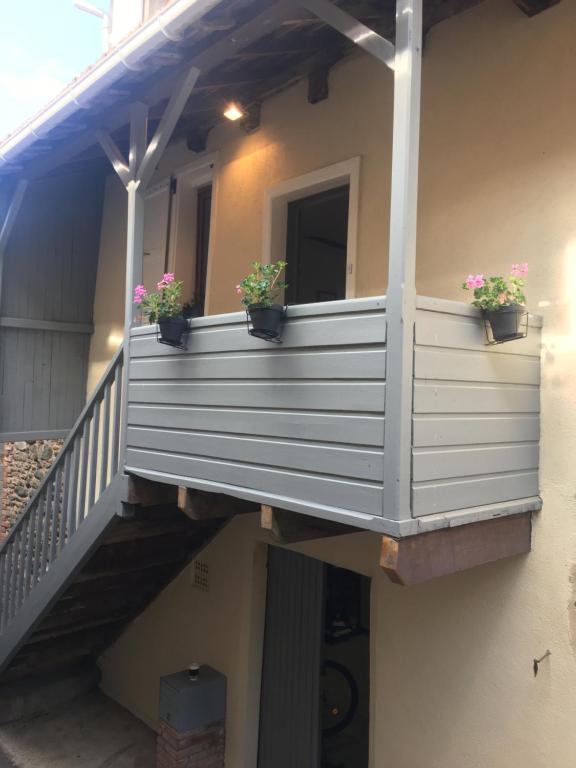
pixel 130 55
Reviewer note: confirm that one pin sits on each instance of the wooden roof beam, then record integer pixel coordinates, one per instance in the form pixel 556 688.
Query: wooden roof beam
pixel 533 7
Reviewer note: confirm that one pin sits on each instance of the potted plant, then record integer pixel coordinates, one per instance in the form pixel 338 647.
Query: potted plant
pixel 163 307
pixel 501 300
pixel 259 289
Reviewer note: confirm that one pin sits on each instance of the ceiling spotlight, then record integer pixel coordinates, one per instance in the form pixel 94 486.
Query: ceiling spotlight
pixel 233 112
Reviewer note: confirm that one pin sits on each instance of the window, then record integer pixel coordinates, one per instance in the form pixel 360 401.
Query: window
pixel 316 247
pixel 312 220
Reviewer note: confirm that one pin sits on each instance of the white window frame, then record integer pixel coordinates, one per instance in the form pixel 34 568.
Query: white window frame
pixel 276 211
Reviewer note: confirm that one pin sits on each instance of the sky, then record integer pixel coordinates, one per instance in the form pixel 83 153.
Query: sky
pixel 43 45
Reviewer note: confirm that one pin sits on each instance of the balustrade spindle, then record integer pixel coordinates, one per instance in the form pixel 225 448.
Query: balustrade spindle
pixel 82 497
pixel 37 545
pixel 116 426
pixel 94 453
pixel 105 445
pixel 30 544
pixel 73 487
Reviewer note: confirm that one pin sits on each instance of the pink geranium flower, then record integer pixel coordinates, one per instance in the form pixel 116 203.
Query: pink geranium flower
pixel 168 277
pixel 475 281
pixel 139 293
pixel 520 270
pixel 239 290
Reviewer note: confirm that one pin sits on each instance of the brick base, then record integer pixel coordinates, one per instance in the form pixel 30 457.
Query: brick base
pixel 200 748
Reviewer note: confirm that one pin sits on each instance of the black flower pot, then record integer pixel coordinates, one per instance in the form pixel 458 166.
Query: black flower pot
pixel 506 322
pixel 266 322
pixel 172 330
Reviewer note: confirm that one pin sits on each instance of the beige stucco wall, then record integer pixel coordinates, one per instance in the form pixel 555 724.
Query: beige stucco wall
pixel 109 296
pixel 452 681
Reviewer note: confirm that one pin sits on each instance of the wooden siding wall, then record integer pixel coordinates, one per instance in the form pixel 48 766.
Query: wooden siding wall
pixel 300 424
pixel 476 412
pixel 49 277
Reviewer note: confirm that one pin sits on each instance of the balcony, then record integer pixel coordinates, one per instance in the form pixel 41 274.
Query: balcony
pixel 300 426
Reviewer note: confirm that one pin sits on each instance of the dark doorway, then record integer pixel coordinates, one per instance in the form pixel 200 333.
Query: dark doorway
pixel 203 214
pixel 314 709
pixel 316 247
pixel 345 670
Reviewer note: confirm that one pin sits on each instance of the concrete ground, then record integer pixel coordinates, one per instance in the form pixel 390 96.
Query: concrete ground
pixel 90 732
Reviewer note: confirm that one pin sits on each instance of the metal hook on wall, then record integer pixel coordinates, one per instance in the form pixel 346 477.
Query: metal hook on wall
pixel 537 662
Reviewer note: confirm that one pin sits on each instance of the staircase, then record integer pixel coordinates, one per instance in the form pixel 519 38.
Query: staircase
pixel 75 570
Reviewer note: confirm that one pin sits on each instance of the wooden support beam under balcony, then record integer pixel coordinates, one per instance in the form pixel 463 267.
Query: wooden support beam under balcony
pixel 147 493
pixel 288 527
pixel 200 505
pixel 426 556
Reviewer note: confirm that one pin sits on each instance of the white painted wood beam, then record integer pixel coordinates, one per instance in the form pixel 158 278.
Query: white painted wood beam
pixel 159 142
pixel 117 159
pixel 353 29
pixel 401 294
pixel 12 212
pixel 138 137
pixel 8 223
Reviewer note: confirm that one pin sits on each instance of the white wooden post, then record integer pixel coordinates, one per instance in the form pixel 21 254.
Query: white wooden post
pixel 401 295
pixel 135 174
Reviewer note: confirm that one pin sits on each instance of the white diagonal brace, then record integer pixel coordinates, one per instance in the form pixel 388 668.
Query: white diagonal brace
pixel 113 154
pixel 171 115
pixel 12 213
pixel 9 221
pixel 353 29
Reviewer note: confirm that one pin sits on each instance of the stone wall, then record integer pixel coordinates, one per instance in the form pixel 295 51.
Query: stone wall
pixel 24 464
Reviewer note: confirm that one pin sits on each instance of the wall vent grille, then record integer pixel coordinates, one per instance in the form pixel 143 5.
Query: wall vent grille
pixel 200 575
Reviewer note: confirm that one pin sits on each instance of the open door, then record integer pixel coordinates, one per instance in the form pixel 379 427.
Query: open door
pixel 316 247
pixel 314 708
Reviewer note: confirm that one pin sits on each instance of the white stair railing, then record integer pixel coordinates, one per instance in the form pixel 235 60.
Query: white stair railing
pixel 84 468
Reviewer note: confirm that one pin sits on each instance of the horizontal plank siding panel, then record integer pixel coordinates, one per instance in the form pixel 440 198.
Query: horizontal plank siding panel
pixel 438 464
pixel 469 398
pixel 303 420
pixel 465 430
pixel 344 494
pixel 446 496
pixel 357 364
pixel 329 427
pixel 302 334
pixel 436 329
pixel 466 365
pixel 353 396
pixel 476 423
pixel 330 460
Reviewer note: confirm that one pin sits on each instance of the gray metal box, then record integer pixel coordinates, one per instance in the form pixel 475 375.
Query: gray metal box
pixel 188 704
